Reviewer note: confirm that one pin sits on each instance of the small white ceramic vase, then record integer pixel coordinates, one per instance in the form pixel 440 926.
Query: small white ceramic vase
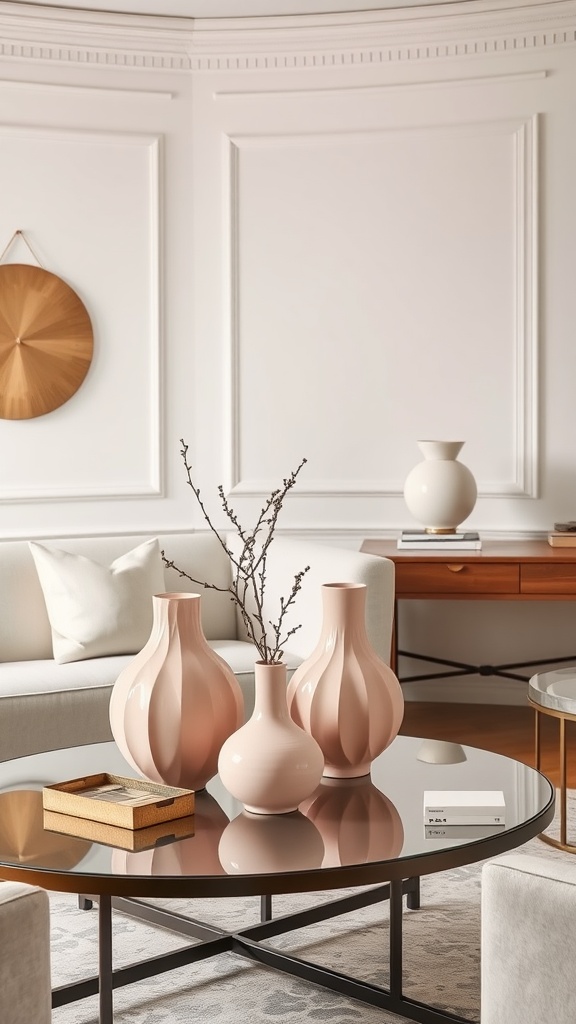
pixel 440 492
pixel 176 702
pixel 270 765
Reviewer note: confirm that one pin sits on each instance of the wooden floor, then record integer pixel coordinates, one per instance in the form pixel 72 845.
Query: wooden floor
pixel 502 728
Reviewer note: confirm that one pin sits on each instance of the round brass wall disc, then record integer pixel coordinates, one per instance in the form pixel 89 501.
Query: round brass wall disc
pixel 46 341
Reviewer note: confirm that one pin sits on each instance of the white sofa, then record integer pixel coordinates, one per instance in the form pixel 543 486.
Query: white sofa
pixel 45 705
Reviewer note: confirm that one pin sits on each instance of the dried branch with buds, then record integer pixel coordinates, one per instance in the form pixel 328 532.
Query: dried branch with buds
pixel 248 585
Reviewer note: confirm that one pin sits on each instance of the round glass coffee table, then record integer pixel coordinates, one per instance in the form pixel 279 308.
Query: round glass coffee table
pixel 554 694
pixel 368 833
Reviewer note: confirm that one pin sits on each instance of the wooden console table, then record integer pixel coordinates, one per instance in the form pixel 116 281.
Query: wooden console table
pixel 529 570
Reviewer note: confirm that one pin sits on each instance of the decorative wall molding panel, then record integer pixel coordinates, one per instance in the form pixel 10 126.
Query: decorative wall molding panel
pixel 262 165
pixel 100 91
pixel 383 87
pixel 295 42
pixel 94 211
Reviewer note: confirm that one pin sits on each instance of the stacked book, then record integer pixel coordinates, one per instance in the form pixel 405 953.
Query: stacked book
pixel 423 541
pixel 463 814
pixel 563 535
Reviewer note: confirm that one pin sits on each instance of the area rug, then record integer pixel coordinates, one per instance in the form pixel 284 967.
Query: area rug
pixel 441 958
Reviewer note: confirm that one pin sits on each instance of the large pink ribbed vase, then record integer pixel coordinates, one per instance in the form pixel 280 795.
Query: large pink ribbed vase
pixel 344 694
pixel 176 703
pixel 270 764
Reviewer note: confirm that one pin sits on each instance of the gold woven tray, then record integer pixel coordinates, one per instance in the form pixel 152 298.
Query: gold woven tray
pixel 117 800
pixel 123 838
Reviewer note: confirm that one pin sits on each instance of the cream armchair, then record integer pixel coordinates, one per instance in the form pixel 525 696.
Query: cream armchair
pixel 528 940
pixel 25 986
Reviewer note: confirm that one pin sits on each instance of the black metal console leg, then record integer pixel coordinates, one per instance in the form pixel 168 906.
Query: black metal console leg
pixel 463 669
pixel 105 959
pixel 84 903
pixel 265 908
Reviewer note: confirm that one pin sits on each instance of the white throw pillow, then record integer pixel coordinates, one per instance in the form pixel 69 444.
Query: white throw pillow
pixel 97 610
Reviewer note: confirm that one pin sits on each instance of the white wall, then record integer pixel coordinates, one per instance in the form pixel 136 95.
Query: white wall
pixel 325 236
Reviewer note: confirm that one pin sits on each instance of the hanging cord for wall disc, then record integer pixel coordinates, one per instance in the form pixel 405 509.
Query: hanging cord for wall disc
pixel 19 233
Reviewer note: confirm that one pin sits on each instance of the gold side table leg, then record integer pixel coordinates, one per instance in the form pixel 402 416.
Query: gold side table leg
pixel 562 842
pixel 541 711
pixel 563 815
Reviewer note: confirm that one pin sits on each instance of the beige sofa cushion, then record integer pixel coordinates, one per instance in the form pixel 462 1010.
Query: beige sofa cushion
pixel 98 610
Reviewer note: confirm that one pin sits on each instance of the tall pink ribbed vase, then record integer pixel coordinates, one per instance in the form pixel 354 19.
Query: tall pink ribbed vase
pixel 176 703
pixel 344 695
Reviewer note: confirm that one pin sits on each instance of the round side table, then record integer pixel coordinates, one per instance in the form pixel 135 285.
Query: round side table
pixel 554 694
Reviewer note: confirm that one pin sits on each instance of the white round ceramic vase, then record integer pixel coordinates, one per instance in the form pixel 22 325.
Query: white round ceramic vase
pixel 440 492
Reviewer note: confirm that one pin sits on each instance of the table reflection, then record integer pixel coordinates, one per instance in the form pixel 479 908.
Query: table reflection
pixel 23 839
pixel 357 822
pixel 267 843
pixel 441 752
pixel 197 855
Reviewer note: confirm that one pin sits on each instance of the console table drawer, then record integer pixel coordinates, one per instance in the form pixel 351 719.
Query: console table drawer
pixel 457 578
pixel 548 579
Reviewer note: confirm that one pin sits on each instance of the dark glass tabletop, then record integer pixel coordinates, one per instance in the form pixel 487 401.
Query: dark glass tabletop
pixel 350 832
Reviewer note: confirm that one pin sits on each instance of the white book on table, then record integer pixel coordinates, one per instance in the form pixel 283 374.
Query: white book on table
pixel 464 819
pixel 446 538
pixel 454 545
pixel 464 807
pixel 464 540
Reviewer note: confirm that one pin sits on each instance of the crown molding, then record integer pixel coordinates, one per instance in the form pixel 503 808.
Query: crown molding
pixel 33 32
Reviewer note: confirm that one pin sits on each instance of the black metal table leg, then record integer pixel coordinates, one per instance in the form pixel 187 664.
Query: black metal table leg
pixel 412 890
pixel 396 939
pixel 105 959
pixel 252 943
